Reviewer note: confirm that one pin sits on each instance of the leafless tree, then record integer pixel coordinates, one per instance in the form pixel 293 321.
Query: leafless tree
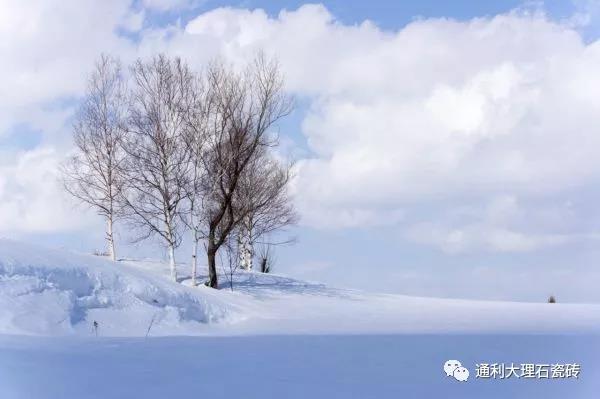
pixel 264 200
pixel 197 120
pixel 93 174
pixel 158 157
pixel 247 106
pixel 266 258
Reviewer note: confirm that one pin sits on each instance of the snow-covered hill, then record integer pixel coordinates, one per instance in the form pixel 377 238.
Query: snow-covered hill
pixel 271 337
pixel 52 292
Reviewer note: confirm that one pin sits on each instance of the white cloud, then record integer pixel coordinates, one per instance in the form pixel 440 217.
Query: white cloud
pixel 437 108
pixel 47 49
pixel 434 110
pixel 133 21
pixel 31 198
pixel 170 5
pixel 480 237
pixel 502 225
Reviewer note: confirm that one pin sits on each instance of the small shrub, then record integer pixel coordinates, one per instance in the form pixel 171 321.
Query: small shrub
pixel 265 265
pixel 551 299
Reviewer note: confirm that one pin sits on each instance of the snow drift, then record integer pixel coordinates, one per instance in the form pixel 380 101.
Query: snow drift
pixel 53 292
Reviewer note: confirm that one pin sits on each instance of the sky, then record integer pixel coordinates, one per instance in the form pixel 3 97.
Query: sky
pixel 443 148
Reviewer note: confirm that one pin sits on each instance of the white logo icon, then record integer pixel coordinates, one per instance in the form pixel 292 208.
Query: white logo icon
pixel 453 368
pixel 461 374
pixel 450 366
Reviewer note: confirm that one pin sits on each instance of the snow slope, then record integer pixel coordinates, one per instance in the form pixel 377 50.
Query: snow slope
pixel 52 292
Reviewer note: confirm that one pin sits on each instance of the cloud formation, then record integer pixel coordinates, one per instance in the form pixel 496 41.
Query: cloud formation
pixel 439 109
pixel 47 49
pixel 170 5
pixel 31 197
pixel 502 225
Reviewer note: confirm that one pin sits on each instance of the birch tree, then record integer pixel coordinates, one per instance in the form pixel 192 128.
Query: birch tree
pixel 93 174
pixel 198 119
pixel 158 157
pixel 264 201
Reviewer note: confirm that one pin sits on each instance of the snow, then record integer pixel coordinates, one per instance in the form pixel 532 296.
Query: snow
pixel 52 292
pixel 289 366
pixel 271 337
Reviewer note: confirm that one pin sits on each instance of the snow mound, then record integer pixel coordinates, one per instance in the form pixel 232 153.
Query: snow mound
pixel 51 292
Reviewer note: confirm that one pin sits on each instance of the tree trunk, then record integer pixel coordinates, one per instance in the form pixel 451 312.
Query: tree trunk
pixel 249 254
pixel 110 241
pixel 246 254
pixel 211 253
pixel 194 255
pixel 263 265
pixel 172 262
pixel 245 247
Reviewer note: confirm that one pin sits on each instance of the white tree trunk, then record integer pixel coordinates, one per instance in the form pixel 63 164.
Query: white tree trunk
pixel 172 262
pixel 171 247
pixel 249 254
pixel 110 240
pixel 245 247
pixel 194 255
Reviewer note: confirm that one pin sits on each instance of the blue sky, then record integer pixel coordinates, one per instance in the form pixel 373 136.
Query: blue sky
pixel 428 140
pixel 388 14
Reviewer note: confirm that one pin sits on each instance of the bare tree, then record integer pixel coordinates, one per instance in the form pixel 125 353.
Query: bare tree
pixel 197 119
pixel 266 258
pixel 264 200
pixel 247 105
pixel 158 157
pixel 93 174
